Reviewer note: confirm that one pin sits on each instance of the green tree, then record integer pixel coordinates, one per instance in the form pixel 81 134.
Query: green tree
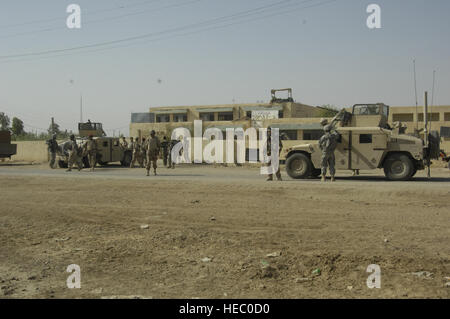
pixel 54 129
pixel 17 127
pixel 4 121
pixel 327 110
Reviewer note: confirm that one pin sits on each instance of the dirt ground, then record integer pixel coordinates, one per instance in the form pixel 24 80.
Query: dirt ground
pixel 212 230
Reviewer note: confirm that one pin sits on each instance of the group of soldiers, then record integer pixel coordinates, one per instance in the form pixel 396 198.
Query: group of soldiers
pixel 76 153
pixel 146 151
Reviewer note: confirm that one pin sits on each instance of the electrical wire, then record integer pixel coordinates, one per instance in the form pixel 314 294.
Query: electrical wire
pixel 101 20
pixel 211 21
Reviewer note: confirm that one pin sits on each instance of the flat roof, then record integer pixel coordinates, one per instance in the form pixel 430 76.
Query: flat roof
pixel 212 110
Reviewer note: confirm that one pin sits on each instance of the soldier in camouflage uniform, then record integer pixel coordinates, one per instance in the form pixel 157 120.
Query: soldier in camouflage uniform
pixel 327 144
pixel 124 143
pixel 165 150
pixel 74 154
pixel 52 149
pixel 142 155
pixel 136 149
pixel 90 147
pixel 269 152
pixel 152 149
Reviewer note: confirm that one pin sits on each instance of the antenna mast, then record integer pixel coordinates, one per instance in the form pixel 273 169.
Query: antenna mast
pixel 415 92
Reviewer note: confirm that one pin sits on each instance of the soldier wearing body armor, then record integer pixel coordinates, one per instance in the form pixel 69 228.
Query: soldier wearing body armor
pixel 52 149
pixel 136 150
pixel 74 154
pixel 124 143
pixel 142 155
pixel 327 144
pixel 152 149
pixel 90 147
pixel 269 152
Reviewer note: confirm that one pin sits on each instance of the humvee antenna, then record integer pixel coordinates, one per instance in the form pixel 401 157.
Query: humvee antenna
pixel 432 100
pixel 415 92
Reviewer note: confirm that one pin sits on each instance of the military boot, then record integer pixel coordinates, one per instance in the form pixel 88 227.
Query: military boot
pixel 148 173
pixel 332 178
pixel 324 178
pixel 270 178
pixel 154 172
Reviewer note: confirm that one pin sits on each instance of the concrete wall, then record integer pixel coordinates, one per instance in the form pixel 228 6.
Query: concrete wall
pixel 30 151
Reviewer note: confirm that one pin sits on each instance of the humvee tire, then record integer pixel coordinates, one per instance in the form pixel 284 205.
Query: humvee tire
pixel 398 167
pixel 62 164
pixel 101 163
pixel 127 157
pixel 298 166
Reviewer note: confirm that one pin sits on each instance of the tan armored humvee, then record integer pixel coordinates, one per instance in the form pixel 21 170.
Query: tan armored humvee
pixel 109 149
pixel 366 141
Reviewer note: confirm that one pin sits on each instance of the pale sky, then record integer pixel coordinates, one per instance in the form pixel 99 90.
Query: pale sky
pixel 198 52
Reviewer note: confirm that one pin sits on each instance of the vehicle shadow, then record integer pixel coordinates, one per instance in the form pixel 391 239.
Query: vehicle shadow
pixel 383 179
pixel 16 164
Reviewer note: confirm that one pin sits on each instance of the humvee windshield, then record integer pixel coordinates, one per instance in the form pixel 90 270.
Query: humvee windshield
pixel 90 126
pixel 371 109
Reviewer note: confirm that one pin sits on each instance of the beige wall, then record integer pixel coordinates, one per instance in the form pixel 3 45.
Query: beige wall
pixel 30 151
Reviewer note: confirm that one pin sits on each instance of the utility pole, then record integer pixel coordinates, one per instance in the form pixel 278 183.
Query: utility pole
pixel 53 126
pixel 425 132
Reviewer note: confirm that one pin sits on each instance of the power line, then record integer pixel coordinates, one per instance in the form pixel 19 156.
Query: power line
pixel 102 20
pixel 207 22
pixel 177 35
pixel 92 13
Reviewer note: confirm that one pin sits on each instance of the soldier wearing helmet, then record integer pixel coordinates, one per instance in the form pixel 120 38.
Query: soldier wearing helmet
pixel 323 121
pixel 327 144
pixel 152 148
pixel 90 147
pixel 136 152
pixel 52 145
pixel 74 156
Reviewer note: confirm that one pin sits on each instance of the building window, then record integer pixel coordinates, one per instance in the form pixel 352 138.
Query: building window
pixel 434 117
pixel 207 116
pixel 180 117
pixel 446 116
pixel 249 114
pixel 289 134
pixel 280 114
pixel 312 135
pixel 225 116
pixel 403 117
pixel 365 139
pixel 162 118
